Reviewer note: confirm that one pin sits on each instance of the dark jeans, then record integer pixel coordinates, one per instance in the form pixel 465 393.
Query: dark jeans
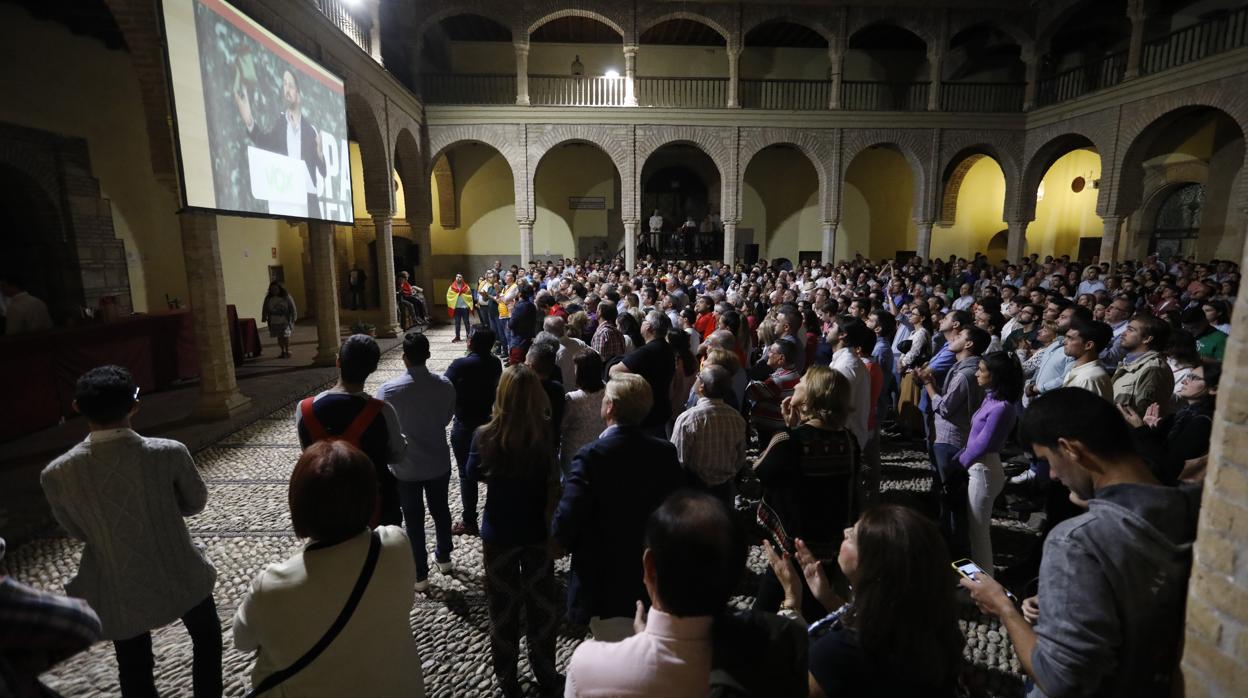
pixel 357 298
pixel 407 312
pixel 461 315
pixel 414 494
pixel 135 661
pixel 949 483
pixel 522 577
pixel 461 442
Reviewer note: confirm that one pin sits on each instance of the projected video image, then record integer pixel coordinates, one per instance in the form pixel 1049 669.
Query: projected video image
pixel 262 128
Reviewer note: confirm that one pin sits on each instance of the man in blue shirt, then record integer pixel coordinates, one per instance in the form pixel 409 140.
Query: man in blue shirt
pixel 424 402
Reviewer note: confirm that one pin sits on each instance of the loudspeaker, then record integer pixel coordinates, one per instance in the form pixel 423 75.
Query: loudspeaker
pixel 751 254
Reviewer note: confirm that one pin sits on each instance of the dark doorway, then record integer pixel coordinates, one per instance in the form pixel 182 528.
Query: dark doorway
pixel 34 245
pixel 677 193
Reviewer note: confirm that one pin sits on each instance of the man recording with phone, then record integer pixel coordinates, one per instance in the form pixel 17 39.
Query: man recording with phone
pixel 289 135
pixel 1113 580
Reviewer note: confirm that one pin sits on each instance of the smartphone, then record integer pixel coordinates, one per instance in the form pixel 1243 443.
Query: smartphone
pixel 968 568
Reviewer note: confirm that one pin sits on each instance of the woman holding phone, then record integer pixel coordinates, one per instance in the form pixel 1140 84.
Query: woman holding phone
pixel 897 634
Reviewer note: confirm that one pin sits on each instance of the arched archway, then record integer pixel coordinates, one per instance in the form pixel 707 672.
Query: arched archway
pixel 466 58
pixel 485 197
pixel 983 70
pixel 782 213
pixel 785 65
pixel 592 76
pixel 1064 201
pixel 578 202
pixel 972 207
pixel 1197 144
pixel 682 61
pixel 886 68
pixel 878 197
pixel 1086 50
pixel 682 183
pixel 364 128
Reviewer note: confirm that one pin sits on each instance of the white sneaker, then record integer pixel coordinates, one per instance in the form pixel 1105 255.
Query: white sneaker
pixel 1024 477
pixel 444 567
pixel 422 585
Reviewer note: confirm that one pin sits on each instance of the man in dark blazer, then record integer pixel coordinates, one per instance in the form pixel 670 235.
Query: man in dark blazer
pixel 615 483
pixel 291 134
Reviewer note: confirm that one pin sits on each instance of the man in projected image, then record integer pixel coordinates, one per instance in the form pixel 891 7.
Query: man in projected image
pixel 290 134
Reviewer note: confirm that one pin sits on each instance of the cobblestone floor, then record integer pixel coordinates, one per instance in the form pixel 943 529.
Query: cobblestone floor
pixel 247 526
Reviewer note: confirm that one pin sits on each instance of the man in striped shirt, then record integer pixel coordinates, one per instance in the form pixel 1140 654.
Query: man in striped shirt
pixel 768 394
pixel 710 436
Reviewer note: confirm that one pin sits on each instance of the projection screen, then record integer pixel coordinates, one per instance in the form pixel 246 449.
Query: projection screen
pixel 261 128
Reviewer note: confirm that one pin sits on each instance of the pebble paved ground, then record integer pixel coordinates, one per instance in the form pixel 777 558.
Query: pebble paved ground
pixel 247 525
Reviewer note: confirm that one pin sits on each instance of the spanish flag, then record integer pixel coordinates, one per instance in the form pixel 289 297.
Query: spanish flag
pixel 457 289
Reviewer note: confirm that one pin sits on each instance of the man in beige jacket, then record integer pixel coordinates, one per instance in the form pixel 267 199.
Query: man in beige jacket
pixel 1144 377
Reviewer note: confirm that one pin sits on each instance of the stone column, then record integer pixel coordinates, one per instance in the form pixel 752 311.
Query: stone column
pixel 388 301
pixel 424 243
pixel 1109 242
pixel 730 242
pixel 328 330
pixel 836 58
pixel 1016 241
pixel 1215 660
pixel 526 242
pixel 630 76
pixel 1032 62
pixel 522 73
pixel 923 240
pixel 630 244
pixel 734 60
pixel 828 253
pixel 1135 50
pixel 934 60
pixel 219 396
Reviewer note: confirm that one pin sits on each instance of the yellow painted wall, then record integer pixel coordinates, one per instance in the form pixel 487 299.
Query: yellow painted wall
pixel 1063 216
pixel 780 202
pixel 492 57
pixel 487 210
pixel 357 186
pixel 246 246
pixel 574 170
pixel 876 217
pixel 981 203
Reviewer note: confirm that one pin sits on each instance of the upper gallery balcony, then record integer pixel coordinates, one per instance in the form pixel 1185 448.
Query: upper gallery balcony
pixel 468 59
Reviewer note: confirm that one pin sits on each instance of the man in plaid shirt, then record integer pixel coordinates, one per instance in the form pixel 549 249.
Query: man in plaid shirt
pixel 37 631
pixel 608 341
pixel 710 436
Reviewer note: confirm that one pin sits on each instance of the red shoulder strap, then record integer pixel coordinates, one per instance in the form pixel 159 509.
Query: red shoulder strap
pixel 315 429
pixel 361 422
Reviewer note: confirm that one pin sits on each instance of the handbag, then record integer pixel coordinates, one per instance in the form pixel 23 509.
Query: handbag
pixel 370 563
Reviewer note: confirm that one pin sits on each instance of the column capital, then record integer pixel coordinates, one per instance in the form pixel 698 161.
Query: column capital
pixel 1136 10
pixel 524 221
pixel 380 213
pixel 630 50
pixel 521 46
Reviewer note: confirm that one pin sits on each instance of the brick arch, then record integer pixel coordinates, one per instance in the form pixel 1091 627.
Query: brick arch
pixel 1045 145
pixel 507 139
pixel 410 166
pixel 793 15
pixel 959 146
pixel 614 141
pixel 817 145
pixel 375 155
pixel 719 144
pixel 480 8
pixel 1001 22
pixel 651 21
pixel 604 15
pixel 1138 122
pixel 920 23
pixel 914 146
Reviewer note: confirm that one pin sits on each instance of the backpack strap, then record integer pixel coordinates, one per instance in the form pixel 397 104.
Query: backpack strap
pixel 315 429
pixel 362 421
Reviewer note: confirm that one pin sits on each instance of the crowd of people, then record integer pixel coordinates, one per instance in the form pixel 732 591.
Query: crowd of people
pixel 652 423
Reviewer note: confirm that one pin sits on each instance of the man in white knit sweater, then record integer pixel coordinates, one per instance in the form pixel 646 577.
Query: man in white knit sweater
pixel 125 496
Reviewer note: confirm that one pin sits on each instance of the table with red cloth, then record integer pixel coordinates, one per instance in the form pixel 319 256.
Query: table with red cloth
pixel 38 370
pixel 244 336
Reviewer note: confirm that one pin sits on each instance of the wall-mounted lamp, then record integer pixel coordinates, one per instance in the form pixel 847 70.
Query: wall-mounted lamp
pixel 612 73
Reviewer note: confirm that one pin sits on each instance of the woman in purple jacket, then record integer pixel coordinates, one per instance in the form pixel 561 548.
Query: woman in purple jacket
pixel 1001 377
